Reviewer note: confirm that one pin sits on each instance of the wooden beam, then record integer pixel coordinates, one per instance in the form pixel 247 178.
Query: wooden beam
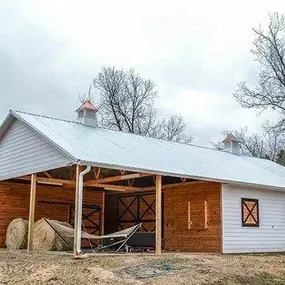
pixel 47 174
pixel 97 171
pixel 78 169
pixel 158 215
pixel 189 215
pixel 51 183
pixel 206 214
pixel 46 180
pixel 173 185
pixel 115 178
pixel 71 173
pixel 32 211
pixel 103 214
pixel 131 182
pixel 113 187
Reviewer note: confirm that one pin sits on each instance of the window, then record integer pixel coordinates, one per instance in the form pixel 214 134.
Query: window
pixel 249 212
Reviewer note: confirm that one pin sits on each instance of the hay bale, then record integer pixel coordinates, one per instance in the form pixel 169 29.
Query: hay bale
pixel 45 238
pixel 17 234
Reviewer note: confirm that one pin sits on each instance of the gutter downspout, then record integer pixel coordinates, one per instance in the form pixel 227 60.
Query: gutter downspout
pixel 79 209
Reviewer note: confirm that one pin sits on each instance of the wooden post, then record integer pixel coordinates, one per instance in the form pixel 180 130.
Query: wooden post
pixel 158 215
pixel 76 210
pixel 32 211
pixel 103 214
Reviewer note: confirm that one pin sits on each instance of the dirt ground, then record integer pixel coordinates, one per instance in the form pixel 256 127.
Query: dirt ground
pixel 19 267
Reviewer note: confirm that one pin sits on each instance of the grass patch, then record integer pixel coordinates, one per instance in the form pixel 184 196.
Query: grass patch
pixel 259 279
pixel 109 263
pixel 171 258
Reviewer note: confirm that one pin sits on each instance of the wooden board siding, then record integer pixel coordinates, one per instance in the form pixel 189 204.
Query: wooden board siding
pixel 269 236
pixel 20 150
pixel 197 239
pixel 177 236
pixel 14 203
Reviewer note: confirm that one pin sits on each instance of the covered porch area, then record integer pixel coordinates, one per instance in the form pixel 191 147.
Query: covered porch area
pixel 177 213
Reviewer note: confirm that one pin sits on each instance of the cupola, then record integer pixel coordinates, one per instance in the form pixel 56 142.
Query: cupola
pixel 232 144
pixel 87 114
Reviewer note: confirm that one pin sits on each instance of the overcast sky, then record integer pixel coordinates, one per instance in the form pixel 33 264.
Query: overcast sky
pixel 195 51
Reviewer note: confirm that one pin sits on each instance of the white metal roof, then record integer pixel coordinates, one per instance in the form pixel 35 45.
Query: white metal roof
pixel 113 149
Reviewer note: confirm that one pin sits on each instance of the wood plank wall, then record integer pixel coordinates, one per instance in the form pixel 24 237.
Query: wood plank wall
pixel 196 239
pixel 205 232
pixel 14 203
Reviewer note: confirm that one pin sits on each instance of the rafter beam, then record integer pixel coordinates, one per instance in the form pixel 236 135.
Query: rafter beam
pixel 183 179
pixel 172 185
pixel 121 188
pixel 46 180
pixel 47 174
pixel 97 171
pixel 115 179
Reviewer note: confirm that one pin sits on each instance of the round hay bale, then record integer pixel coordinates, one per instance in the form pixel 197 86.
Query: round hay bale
pixel 17 234
pixel 45 237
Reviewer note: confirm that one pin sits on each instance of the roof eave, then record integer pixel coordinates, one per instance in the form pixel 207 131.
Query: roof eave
pixel 202 178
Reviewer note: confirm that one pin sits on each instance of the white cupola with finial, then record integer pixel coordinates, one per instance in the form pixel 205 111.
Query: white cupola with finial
pixel 87 114
pixel 232 144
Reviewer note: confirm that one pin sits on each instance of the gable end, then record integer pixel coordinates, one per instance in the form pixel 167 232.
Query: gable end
pixel 23 151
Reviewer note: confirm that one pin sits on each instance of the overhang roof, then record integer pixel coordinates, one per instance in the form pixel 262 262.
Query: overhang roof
pixel 119 150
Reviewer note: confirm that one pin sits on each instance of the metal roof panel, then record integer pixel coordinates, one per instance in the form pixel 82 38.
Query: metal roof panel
pixel 100 146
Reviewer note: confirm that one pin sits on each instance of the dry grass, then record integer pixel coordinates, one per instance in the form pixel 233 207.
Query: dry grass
pixel 19 267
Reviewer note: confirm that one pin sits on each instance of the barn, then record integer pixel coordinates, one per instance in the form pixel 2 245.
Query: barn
pixel 187 197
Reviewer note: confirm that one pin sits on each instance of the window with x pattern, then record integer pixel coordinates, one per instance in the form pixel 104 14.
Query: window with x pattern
pixel 249 212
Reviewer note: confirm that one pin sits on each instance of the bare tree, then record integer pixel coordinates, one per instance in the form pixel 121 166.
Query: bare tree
pixel 269 52
pixel 252 145
pixel 127 100
pixel 269 144
pixel 173 129
pixel 274 141
pixel 127 103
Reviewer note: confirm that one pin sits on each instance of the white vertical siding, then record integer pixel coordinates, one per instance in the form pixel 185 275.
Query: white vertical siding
pixel 23 151
pixel 269 236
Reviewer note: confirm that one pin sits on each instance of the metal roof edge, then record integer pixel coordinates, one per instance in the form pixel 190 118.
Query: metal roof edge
pixel 208 179
pixel 42 169
pixel 6 124
pixel 74 160
pixel 252 185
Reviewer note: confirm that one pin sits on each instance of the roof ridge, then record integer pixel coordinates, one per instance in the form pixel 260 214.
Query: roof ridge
pixel 48 117
pixel 117 131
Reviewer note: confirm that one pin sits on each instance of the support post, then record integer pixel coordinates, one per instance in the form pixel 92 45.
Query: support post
pixel 32 211
pixel 76 206
pixel 158 215
pixel 103 214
